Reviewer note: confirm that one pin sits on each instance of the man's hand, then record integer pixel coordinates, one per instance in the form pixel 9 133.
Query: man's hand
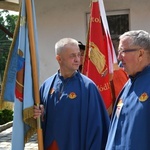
pixel 38 111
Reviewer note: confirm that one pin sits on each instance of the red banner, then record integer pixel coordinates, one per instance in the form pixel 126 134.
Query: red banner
pixel 96 63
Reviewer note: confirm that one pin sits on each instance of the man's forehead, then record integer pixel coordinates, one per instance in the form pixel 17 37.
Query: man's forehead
pixel 123 44
pixel 72 47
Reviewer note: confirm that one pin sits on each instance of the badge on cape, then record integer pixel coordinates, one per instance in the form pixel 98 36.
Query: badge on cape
pixel 120 103
pixel 143 97
pixel 119 108
pixel 72 95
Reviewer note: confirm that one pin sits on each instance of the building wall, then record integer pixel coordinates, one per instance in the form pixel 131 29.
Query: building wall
pixel 57 19
pixel 139 12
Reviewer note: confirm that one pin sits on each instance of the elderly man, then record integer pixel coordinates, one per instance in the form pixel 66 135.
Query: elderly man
pixel 130 125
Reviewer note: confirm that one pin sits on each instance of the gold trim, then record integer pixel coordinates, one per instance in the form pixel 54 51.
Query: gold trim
pixel 19 83
pixel 30 121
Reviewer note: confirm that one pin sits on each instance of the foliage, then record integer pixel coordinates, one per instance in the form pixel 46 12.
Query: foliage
pixel 5 116
pixel 8 20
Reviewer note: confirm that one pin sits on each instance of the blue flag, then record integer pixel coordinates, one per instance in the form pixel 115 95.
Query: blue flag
pixel 9 79
pixel 19 81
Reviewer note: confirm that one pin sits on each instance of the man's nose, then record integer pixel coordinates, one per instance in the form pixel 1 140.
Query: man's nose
pixel 119 57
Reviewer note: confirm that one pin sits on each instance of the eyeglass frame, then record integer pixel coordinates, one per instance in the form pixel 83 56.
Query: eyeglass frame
pixel 128 50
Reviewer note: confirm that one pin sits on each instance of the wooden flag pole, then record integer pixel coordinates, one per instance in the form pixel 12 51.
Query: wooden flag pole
pixel 34 69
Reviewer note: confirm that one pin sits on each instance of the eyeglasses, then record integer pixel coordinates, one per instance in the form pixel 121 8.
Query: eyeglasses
pixel 122 52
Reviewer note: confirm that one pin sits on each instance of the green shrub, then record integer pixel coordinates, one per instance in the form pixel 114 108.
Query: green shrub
pixel 5 116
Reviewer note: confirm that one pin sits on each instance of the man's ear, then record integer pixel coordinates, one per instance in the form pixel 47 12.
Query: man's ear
pixel 58 58
pixel 141 54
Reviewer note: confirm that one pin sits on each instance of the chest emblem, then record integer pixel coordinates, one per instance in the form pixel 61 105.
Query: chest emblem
pixel 143 97
pixel 120 103
pixel 72 95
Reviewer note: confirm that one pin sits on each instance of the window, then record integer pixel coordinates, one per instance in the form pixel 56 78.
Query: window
pixel 118 22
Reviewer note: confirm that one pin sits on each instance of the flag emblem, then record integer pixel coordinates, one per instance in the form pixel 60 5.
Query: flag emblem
pixel 97 58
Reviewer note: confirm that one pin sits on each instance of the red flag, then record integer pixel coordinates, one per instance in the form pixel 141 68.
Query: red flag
pixel 100 56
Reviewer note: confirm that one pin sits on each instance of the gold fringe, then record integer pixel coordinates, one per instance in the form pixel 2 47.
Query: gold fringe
pixel 6 105
pixel 21 85
pixel 30 121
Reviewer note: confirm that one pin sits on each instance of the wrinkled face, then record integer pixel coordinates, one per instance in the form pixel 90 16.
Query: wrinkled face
pixel 69 59
pixel 130 56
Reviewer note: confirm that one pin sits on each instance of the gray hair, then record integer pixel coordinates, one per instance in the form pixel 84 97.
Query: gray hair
pixel 59 46
pixel 139 38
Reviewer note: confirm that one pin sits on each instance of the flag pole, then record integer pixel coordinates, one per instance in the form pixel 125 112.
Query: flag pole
pixel 34 69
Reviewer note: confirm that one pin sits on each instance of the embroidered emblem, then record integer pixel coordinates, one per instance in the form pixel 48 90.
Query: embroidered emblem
pixel 72 95
pixel 143 97
pixel 98 59
pixel 51 91
pixel 119 107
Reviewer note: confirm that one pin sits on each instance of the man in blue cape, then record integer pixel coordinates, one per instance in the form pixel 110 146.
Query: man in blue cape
pixel 130 125
pixel 74 117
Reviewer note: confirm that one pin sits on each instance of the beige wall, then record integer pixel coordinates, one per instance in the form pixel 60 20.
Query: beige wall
pixel 139 12
pixel 55 20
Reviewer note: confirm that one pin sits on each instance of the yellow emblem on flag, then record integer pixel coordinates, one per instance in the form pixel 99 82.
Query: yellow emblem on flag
pixel 143 97
pixel 98 59
pixel 72 95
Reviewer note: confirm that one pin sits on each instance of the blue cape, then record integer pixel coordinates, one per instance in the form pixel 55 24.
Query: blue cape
pixel 79 121
pixel 130 125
